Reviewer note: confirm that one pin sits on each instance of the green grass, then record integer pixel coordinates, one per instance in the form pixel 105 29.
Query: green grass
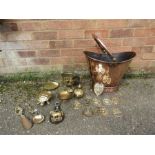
pixel 45 76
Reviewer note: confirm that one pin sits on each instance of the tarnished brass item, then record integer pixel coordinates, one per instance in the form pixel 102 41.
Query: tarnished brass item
pixel 51 85
pixel 107 101
pixel 37 119
pixel 117 112
pixel 65 94
pixel 26 123
pixel 77 105
pixel 18 110
pixel 88 112
pixel 102 111
pixel 115 100
pixel 70 79
pixel 78 92
pixel 45 97
pixel 98 88
pixel 57 115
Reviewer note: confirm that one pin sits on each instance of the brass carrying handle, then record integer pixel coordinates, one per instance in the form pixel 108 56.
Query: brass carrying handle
pixel 103 47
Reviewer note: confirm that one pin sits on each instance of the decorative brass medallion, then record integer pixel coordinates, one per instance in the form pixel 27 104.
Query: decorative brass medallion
pixel 98 88
pixel 99 68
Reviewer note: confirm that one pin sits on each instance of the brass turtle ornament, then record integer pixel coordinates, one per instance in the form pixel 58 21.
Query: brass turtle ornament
pixel 45 98
pixel 57 115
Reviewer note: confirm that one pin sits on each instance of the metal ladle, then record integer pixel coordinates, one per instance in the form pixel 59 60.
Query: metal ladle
pixel 103 47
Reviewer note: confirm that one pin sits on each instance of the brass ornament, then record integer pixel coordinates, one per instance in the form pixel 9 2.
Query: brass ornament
pixel 115 100
pixel 65 94
pixel 88 111
pixel 26 123
pixel 98 88
pixel 51 85
pixel 77 105
pixel 44 98
pixel 117 112
pixel 57 115
pixel 99 69
pixel 18 110
pixel 37 119
pixel 102 111
pixel 70 79
pixel 107 101
pixel 78 92
pixel 106 79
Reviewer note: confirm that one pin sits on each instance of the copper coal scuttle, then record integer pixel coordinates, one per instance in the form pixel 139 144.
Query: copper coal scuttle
pixel 107 69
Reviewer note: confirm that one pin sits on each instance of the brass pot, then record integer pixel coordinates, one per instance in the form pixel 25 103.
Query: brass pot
pixel 65 95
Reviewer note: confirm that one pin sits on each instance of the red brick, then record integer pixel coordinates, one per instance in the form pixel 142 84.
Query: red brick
pixel 15 62
pixel 20 62
pixel 149 56
pixel 112 23
pixel 99 33
pixel 24 45
pixel 57 24
pixel 144 32
pixel 138 52
pixel 112 42
pixel 13 36
pixel 146 49
pixel 83 24
pixel 2 63
pixel 139 23
pixel 115 49
pixel 71 52
pixel 48 53
pixel 11 26
pixel 62 60
pixel 121 33
pixel 139 65
pixel 93 49
pixel 150 41
pixel 134 42
pixel 65 34
pixel 61 44
pixel 39 61
pixel 80 59
pixel 84 43
pixel 2 37
pixel 30 26
pixel 45 35
pixel 26 54
pixel 152 23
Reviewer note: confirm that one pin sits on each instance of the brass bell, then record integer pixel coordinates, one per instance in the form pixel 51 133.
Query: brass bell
pixel 57 115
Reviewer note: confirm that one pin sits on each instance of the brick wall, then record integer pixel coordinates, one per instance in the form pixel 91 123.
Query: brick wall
pixel 58 45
